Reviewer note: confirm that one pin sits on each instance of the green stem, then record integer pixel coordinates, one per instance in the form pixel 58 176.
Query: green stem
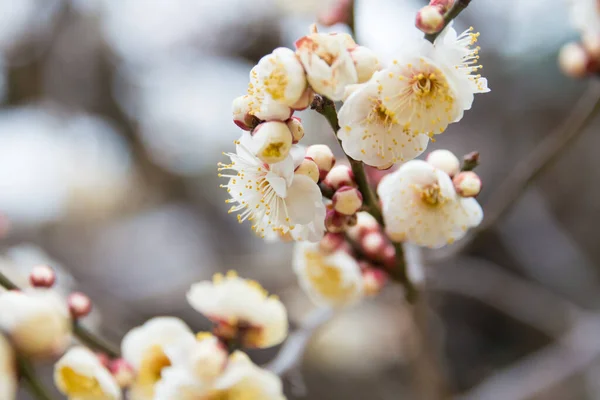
pixel 34 386
pixel 85 336
pixel 457 8
pixel 94 342
pixel 326 107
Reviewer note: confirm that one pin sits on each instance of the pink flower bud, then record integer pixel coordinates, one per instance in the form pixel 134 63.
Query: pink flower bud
pixel 295 126
pixel 308 168
pixel 340 175
pixel 374 281
pixel 79 304
pixel 430 19
pixel 272 141
pixel 323 157
pixel 305 100
pixel 104 359
pixel 442 5
pixel 573 60
pixel 241 113
pixel 332 242
pixel 467 184
pixel 373 244
pixel 122 371
pixel 42 276
pixel 444 160
pixel 347 200
pixel 389 256
pixel 335 222
pixel 365 223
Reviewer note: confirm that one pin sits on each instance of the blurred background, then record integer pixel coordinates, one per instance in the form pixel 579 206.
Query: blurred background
pixel 114 114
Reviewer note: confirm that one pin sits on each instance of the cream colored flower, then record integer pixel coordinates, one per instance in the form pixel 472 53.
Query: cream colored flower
pixel 420 205
pixel 241 308
pixel 36 320
pixel 273 197
pixel 431 85
pixel 80 376
pixel 8 372
pixel 144 348
pixel 332 280
pixel 280 76
pixel 372 133
pixel 328 63
pixel 241 380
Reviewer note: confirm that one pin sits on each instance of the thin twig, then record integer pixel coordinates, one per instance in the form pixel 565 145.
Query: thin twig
pixel 84 335
pixel 528 169
pixel 34 386
pixel 542 370
pixel 456 9
pixel 291 353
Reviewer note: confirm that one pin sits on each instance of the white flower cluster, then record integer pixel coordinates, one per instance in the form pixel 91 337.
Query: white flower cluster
pixel 164 360
pixel 272 181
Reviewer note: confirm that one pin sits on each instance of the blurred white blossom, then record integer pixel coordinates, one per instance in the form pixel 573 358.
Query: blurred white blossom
pixel 8 372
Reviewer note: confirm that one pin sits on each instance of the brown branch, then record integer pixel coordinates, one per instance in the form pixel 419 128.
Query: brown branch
pixel 456 9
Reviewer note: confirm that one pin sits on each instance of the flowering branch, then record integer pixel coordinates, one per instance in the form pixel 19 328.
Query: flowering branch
pixel 34 385
pixel 84 335
pixel 326 107
pixel 456 9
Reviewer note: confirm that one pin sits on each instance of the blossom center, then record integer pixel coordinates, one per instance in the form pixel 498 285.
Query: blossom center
pixel 80 385
pixel 432 195
pixel 276 83
pixel 325 278
pixel 152 365
pixel 425 84
pixel 273 150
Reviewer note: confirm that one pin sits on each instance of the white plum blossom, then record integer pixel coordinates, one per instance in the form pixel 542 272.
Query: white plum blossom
pixel 585 16
pixel 430 85
pixel 80 375
pixel 195 365
pixel 240 306
pixel 330 279
pixel 372 133
pixel 22 313
pixel 144 348
pixel 241 380
pixel 280 77
pixel 8 370
pixel 421 206
pixel 273 197
pixel 328 63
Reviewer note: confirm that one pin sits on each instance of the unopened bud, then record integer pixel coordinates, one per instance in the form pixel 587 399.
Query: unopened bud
pixel 308 168
pixel 430 19
pixel 272 141
pixel 331 242
pixel 365 223
pixel 103 358
pixel 79 304
pixel 42 276
pixel 122 371
pixel 373 244
pixel 442 5
pixel 241 113
pixel 444 160
pixel 340 175
pixel 305 100
pixel 335 222
pixel 366 63
pixel 374 281
pixel 323 156
pixel 467 184
pixel 295 126
pixel 389 256
pixel 470 161
pixel 347 200
pixel 573 60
